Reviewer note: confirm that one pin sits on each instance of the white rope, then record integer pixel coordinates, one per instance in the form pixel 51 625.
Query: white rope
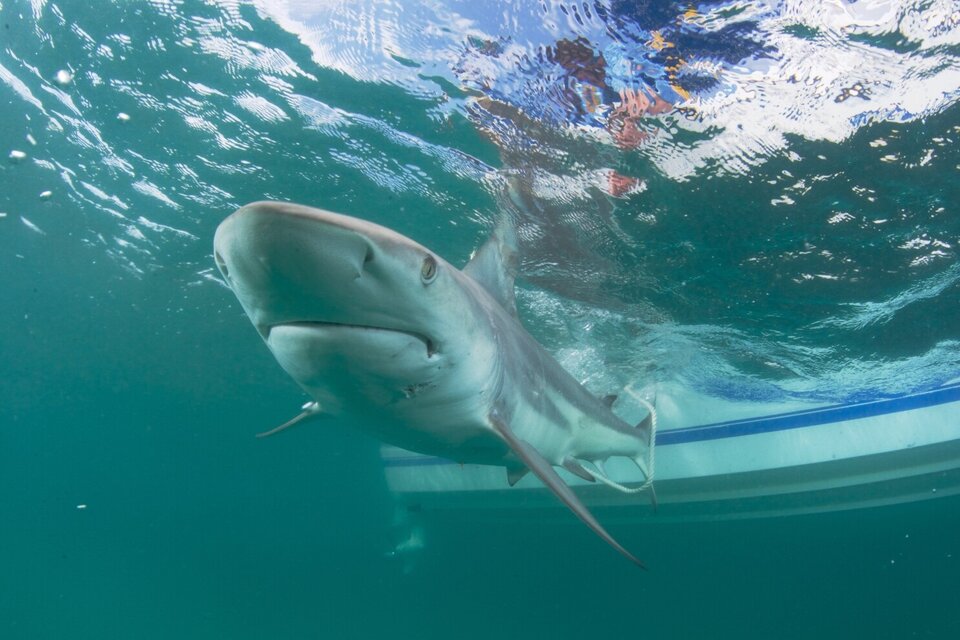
pixel 616 485
pixel 651 458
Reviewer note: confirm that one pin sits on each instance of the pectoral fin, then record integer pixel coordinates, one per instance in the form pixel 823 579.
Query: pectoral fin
pixel 544 470
pixel 309 409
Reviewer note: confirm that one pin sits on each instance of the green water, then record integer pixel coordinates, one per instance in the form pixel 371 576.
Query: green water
pixel 135 501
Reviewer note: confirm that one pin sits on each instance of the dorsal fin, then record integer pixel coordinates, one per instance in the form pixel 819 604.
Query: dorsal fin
pixel 494 265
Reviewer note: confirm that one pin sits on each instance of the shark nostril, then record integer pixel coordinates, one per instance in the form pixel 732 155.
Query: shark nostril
pixel 368 257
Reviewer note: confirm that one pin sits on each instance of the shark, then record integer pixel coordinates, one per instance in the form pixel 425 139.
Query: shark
pixel 425 356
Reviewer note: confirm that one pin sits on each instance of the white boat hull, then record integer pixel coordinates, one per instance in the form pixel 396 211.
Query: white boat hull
pixel 752 460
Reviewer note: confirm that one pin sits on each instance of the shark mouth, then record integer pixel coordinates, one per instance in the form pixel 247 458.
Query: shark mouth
pixel 428 343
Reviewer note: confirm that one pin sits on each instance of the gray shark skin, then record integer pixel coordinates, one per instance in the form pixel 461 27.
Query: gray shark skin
pixel 421 354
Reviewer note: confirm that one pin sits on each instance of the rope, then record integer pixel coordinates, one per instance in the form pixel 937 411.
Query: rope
pixel 651 458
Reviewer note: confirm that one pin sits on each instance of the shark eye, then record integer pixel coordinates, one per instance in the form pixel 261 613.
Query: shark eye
pixel 428 271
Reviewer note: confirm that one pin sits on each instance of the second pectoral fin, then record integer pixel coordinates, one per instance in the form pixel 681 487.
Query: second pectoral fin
pixel 545 471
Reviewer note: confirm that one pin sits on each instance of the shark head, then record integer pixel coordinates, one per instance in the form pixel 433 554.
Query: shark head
pixel 358 315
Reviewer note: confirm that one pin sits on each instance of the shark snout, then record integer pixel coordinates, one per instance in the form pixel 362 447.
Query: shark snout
pixel 285 267
pixel 275 238
pixel 290 264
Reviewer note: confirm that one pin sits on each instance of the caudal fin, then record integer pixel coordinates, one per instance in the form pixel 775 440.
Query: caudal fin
pixel 544 470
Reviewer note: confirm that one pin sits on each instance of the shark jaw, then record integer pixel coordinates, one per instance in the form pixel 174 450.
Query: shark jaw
pixel 423 355
pixel 350 365
pixel 363 330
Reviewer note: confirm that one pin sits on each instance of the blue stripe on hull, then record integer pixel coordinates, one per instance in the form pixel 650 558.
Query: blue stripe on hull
pixel 809 417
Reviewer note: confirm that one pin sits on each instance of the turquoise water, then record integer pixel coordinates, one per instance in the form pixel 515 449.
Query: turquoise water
pixel 811 258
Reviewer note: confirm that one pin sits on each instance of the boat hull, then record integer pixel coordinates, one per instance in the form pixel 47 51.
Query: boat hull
pixel 754 462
